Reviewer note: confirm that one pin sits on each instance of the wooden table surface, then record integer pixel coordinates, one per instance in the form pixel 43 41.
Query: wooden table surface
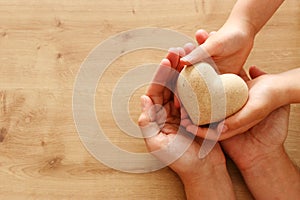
pixel 42 46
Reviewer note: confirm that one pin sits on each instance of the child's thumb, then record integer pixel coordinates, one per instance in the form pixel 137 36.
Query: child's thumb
pixel 199 54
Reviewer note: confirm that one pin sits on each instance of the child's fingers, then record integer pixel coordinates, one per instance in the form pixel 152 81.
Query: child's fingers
pixel 201 36
pixel 199 54
pixel 212 33
pixel 188 48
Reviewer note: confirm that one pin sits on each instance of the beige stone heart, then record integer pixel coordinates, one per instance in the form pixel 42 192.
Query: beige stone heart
pixel 208 97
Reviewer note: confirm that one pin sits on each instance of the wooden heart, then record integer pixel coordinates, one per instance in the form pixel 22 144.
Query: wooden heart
pixel 208 97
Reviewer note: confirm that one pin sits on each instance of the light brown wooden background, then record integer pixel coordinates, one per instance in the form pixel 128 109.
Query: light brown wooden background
pixel 42 45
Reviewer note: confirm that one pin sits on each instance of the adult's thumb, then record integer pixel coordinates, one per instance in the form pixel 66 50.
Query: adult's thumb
pixel 255 72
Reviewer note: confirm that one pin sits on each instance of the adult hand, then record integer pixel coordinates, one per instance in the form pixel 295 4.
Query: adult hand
pixel 160 131
pixel 160 123
pixel 264 97
pixel 260 156
pixel 259 142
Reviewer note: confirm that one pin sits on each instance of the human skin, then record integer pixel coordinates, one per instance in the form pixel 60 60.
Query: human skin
pixel 229 47
pixel 238 33
pixel 231 44
pixel 261 158
pixel 258 153
pixel 264 97
pixel 205 178
pixel 160 122
pixel 267 92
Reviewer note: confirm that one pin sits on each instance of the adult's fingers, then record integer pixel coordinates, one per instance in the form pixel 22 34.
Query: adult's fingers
pixel 255 72
pixel 248 116
pixel 176 102
pixel 244 75
pixel 158 85
pixel 148 114
pixel 203 132
pixel 174 56
pixel 185 119
pixel 146 121
pixel 182 52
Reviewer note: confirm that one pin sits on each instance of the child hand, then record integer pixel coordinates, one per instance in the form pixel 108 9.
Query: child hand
pixel 229 48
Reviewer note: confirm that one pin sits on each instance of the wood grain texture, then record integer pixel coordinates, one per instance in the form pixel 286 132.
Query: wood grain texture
pixel 42 45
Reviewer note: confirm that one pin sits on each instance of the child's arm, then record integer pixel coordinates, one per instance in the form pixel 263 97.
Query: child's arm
pixel 266 93
pixel 253 13
pixel 230 46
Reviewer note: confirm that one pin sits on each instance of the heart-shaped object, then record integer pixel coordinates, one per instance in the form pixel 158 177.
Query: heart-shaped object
pixel 208 97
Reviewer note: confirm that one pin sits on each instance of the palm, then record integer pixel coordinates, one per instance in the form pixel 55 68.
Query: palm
pixel 168 126
pixel 263 139
pixel 165 119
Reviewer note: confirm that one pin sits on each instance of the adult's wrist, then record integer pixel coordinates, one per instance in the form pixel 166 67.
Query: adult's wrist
pixel 216 184
pixel 262 161
pixel 204 174
pixel 273 176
